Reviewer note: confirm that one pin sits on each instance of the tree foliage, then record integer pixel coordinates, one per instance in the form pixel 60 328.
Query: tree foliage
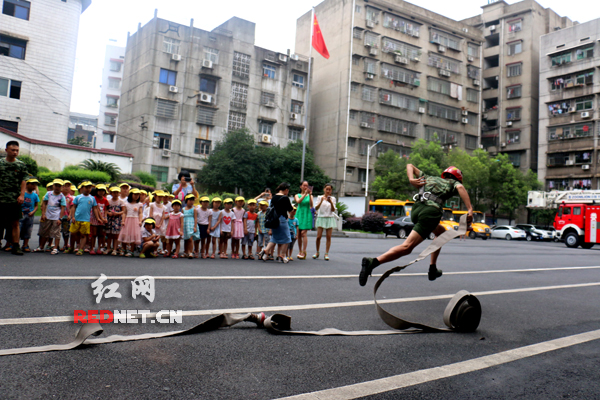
pixel 32 166
pixel 79 141
pixel 146 178
pixel 110 168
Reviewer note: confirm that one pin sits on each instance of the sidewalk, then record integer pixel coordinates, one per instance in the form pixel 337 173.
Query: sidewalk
pixel 355 235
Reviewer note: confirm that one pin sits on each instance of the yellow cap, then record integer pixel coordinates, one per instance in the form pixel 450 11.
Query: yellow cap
pixel 263 203
pixel 49 184
pixel 217 199
pixel 251 201
pixel 86 183
pixel 65 182
pixel 33 180
pixel 204 198
pixel 176 202
pixel 101 187
pixel 190 196
pixel 114 189
pixel 171 196
pixel 295 208
pixel 159 193
pixel 149 221
pixel 134 191
pixel 240 198
pixel 228 200
pixel 58 182
pixel 124 184
pixel 143 192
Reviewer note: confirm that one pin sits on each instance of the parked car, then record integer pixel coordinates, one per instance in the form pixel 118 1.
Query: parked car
pixel 401 228
pixel 508 232
pixel 535 232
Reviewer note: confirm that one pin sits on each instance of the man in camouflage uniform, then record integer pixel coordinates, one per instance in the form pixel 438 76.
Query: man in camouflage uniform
pixel 426 214
pixel 13 177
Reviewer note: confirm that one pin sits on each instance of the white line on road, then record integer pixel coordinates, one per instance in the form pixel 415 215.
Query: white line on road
pixel 45 320
pixel 445 371
pixel 256 277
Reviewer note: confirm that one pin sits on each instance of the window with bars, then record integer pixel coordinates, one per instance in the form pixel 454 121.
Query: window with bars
pixel 114 83
pixel 295 133
pixel 557 159
pixel 205 116
pixel 473 50
pixel 398 74
pixel 354 87
pixel 445 39
pixel 437 61
pixel 400 24
pixel 513 92
pixel 473 119
pixel 357 33
pixel 239 95
pixel 513 137
pixel 211 54
pixel 588 52
pixel 267 98
pixel 236 121
pixel 571 131
pixel 398 126
pixel 369 93
pixel 513 114
pixel 472 95
pixel 371 39
pixel 367 118
pixel 405 50
pixel 355 60
pixel 115 66
pixel 470 142
pixel 515 48
pixel 241 64
pixel 171 45
pixel 112 102
pixel 352 115
pixel 297 106
pixel 372 14
pixel 515 159
pixel 269 71
pixel 438 110
pixel 162 141
pixel 584 103
pixel 443 136
pixel 398 100
pixel 561 59
pixel 351 142
pixel 515 69
pixel 265 128
pixel 438 85
pixel 160 173
pixel 473 72
pixel 110 120
pixel 370 66
pixel 166 108
pixel 202 146
pixel 515 26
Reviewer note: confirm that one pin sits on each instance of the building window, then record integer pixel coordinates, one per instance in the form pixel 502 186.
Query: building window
pixel 265 128
pixel 354 87
pixel 239 95
pixel 202 147
pixel 470 142
pixel 473 50
pixel 10 125
pixel 369 93
pixel 440 62
pixel 162 141
pixel 400 24
pixel 236 121
pixel 444 136
pixel 171 45
pixel 10 88
pixel 241 65
pixel 584 103
pixel 362 175
pixel 208 85
pixel 350 171
pixel 355 60
pixel 295 133
pixel 473 118
pixel 371 39
pixel 168 77
pixel 513 114
pixel 515 26
pixel 160 173
pixel 108 138
pixel 352 115
pixel 515 159
pixel 114 83
pixel 166 108
pixel 112 102
pixel 472 95
pixel 110 120
pixel 17 9
pixel 372 15
pixel 370 66
pixel 445 39
pixel 513 92
pixel 398 74
pixel 115 66
pixel 513 137
pixel 397 126
pixel 440 111
pixel 357 33
pixel 561 59
pixel 398 100
pixel 211 54
pixel 297 106
pixel 473 72
pixel 402 49
pixel 269 71
pixel 515 48
pixel 571 131
pixel 368 119
pixel 206 116
pixel 298 81
pixel 438 86
pixel 357 9
pixel 351 142
pixel 588 52
pixel 267 98
pixel 514 69
pixel 12 47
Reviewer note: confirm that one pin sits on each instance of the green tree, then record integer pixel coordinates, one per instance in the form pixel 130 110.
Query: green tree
pixel 476 174
pixel 110 168
pixel 429 157
pixel 146 178
pixel 32 166
pixel 79 141
pixel 391 181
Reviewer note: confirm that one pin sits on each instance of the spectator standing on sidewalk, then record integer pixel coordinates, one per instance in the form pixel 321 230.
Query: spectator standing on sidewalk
pixel 304 200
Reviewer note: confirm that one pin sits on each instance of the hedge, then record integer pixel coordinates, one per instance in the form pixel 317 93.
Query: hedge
pixel 147 178
pixel 75 176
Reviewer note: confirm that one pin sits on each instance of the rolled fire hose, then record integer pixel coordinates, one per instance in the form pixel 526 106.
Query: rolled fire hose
pixel 462 314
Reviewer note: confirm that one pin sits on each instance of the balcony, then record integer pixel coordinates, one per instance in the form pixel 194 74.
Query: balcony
pixel 578 144
pixel 489 94
pixel 567 93
pixel 491 72
pixel 491 114
pixel 491 51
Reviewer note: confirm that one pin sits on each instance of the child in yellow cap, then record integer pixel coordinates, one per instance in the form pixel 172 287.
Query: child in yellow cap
pixel 29 207
pixel 114 216
pixel 248 240
pixel 150 239
pixel 227 221
pixel 158 212
pixel 190 226
pixel 83 206
pixel 202 215
pixel 214 225
pixel 53 205
pixel 174 230
pixel 98 225
pixel 130 232
pixel 239 227
pixel 67 191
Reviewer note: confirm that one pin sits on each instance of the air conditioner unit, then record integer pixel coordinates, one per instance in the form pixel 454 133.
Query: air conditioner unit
pixel 509 123
pixel 443 72
pixel 476 82
pixel 293 116
pixel 156 142
pixel 470 59
pixel 176 57
pixel 465 120
pixel 569 162
pixel 294 57
pixel 586 167
pixel 492 27
pixel 283 58
pixel 369 24
pixel 370 76
pixel 365 125
pixel 205 97
pixel 416 59
pixel 207 64
pixel 270 104
pixel 585 114
pixel 166 153
pixel 465 112
pixel 363 185
pixel 416 33
pixel 421 110
pixel 503 144
pixel 373 51
pixel 571 109
pixel 401 60
pixel 442 49
pixel 265 138
pixel 173 89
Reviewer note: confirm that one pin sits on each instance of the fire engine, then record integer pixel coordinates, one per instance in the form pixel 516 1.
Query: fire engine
pixel 577 220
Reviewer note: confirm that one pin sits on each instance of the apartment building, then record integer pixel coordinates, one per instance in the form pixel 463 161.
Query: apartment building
pixel 510 76
pixel 84 126
pixel 569 115
pixel 184 87
pixel 38 41
pixel 397 73
pixel 110 96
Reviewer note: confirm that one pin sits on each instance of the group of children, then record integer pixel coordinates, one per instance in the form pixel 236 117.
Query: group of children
pixel 122 221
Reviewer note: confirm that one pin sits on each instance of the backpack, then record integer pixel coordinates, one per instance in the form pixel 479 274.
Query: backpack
pixel 271 217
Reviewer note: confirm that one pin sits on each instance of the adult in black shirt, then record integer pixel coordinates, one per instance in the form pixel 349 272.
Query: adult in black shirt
pixel 280 235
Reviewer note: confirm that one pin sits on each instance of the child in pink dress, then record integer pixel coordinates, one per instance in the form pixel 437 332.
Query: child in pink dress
pixel 174 229
pixel 130 233
pixel 239 227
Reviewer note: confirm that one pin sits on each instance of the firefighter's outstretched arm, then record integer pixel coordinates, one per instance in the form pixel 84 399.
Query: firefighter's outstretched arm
pixel 464 196
pixel 411 170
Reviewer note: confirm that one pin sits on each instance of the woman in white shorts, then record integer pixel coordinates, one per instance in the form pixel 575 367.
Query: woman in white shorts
pixel 326 219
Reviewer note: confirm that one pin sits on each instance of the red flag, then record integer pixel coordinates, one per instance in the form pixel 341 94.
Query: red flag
pixel 317 41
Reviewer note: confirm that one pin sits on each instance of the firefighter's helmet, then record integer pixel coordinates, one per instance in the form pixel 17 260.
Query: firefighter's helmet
pixel 455 172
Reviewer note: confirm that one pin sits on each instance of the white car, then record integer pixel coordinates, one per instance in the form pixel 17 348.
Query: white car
pixel 508 232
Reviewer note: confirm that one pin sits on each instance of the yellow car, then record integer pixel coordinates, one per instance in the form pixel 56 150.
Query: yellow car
pixel 480 228
pixel 448 221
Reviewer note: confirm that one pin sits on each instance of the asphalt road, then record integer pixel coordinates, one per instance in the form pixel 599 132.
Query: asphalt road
pixel 531 293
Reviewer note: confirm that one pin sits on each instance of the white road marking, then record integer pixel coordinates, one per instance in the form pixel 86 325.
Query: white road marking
pixel 257 277
pixel 45 320
pixel 445 371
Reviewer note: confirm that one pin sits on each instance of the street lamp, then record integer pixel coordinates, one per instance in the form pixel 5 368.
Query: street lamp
pixel 367 177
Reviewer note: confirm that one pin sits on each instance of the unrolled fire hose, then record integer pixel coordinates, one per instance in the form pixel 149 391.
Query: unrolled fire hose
pixel 462 314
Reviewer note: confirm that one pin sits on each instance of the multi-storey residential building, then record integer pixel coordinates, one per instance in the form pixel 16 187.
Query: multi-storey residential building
pixel 38 41
pixel 569 115
pixel 397 72
pixel 184 87
pixel 510 76
pixel 84 126
pixel 112 75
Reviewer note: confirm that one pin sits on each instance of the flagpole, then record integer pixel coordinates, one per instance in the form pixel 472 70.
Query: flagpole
pixel 306 106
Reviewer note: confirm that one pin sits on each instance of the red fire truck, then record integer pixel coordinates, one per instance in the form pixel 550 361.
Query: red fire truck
pixel 577 221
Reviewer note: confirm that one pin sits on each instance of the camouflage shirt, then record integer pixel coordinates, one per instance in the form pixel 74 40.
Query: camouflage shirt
pixel 442 188
pixel 12 174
